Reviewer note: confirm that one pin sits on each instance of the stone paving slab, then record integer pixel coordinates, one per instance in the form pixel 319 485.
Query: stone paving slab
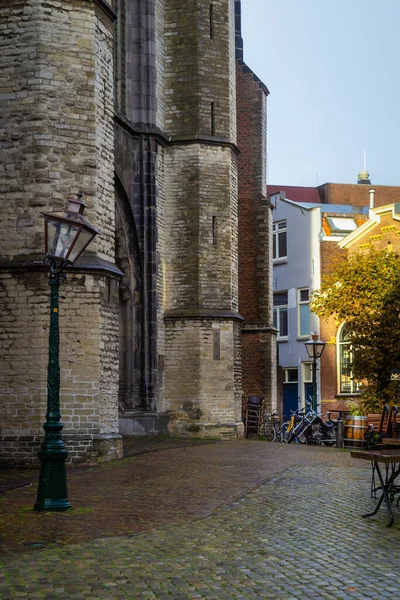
pixel 266 521
pixel 12 478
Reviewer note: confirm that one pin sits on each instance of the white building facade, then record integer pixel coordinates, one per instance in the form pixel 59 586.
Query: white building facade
pixel 299 229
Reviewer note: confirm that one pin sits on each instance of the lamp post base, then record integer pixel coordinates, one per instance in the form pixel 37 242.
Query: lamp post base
pixel 52 489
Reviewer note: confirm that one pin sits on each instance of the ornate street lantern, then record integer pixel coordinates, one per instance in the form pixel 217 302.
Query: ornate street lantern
pixel 68 234
pixel 66 237
pixel 315 348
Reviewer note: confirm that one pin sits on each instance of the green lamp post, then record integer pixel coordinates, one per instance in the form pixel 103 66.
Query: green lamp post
pixel 66 237
pixel 315 348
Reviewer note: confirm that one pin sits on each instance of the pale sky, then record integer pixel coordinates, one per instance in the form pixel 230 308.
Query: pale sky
pixel 333 71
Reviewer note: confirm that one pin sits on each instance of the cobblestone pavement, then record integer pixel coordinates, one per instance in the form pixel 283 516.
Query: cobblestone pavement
pixel 235 520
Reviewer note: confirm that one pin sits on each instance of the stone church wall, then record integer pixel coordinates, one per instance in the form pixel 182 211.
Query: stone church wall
pixel 140 115
pixel 200 78
pixel 200 386
pixel 202 358
pixel 202 366
pixel 57 127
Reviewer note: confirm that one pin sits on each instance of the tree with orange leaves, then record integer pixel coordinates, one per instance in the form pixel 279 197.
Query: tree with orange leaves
pixel 363 290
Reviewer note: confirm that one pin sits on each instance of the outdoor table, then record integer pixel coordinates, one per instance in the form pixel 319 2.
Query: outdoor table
pixel 391 460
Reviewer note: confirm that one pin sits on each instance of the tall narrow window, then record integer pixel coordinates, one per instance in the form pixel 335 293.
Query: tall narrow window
pixel 304 312
pixel 212 118
pixel 279 241
pixel 347 385
pixel 211 22
pixel 281 314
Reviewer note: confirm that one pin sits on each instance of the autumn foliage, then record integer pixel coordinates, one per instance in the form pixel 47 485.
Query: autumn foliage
pixel 363 290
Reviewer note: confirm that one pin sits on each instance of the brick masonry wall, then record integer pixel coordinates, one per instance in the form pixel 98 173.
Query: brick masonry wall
pixel 251 189
pixel 251 359
pixel 358 194
pixel 382 235
pixel 379 237
pixel 255 240
pixel 330 253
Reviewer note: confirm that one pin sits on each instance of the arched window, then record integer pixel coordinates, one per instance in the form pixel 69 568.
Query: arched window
pixel 347 385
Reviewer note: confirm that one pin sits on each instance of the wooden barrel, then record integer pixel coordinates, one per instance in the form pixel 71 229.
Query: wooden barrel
pixel 353 432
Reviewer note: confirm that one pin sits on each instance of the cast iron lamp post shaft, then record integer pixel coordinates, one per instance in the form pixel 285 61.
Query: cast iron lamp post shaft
pixel 314 384
pixel 315 348
pixel 66 237
pixel 52 490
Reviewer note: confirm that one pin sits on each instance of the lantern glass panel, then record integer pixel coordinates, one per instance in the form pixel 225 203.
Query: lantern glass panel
pixel 318 349
pixel 310 349
pixel 83 240
pixel 60 237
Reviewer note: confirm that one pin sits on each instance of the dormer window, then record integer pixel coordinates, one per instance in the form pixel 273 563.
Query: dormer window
pixel 341 225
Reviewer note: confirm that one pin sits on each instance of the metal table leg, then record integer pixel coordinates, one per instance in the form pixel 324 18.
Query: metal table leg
pixel 386 487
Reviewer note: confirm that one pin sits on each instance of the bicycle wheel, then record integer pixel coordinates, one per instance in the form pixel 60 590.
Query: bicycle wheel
pixel 269 431
pixel 285 434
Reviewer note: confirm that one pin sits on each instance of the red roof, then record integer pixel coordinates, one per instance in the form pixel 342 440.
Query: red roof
pixel 296 193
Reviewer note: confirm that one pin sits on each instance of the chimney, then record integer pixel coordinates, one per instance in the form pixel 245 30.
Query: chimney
pixel 371 198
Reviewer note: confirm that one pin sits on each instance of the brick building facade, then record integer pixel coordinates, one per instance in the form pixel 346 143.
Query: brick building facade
pixel 334 391
pixel 134 103
pixel 332 396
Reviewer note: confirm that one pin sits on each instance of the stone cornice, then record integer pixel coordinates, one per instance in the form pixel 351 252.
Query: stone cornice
pixel 266 202
pixel 209 140
pixel 201 313
pixel 259 328
pixel 87 263
pixel 137 129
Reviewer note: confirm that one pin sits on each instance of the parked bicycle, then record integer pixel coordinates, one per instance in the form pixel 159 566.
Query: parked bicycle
pixel 272 426
pixel 288 427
